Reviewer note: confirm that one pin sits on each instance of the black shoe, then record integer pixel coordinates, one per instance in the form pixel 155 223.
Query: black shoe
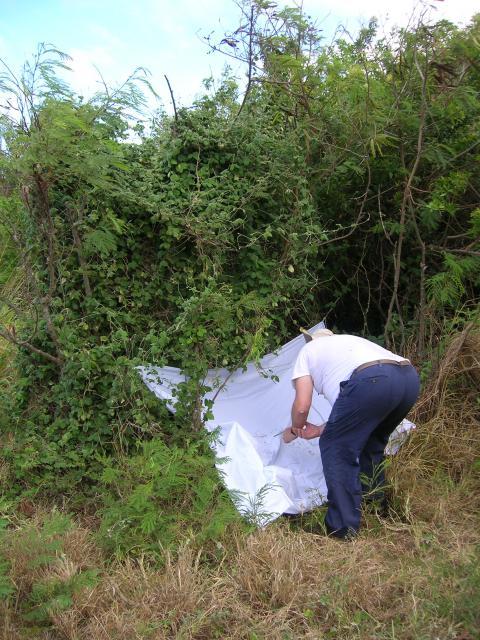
pixel 345 533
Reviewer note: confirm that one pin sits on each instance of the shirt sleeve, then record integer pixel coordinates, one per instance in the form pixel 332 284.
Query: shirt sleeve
pixel 301 367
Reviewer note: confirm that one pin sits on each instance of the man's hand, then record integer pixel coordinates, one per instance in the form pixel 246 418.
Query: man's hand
pixel 308 432
pixel 288 435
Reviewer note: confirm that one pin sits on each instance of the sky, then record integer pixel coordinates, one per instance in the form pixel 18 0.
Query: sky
pixel 165 36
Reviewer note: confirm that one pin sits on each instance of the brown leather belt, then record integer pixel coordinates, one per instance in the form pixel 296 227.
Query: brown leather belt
pixel 399 363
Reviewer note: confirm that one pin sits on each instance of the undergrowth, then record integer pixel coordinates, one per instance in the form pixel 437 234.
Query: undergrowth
pixel 154 500
pixel 176 565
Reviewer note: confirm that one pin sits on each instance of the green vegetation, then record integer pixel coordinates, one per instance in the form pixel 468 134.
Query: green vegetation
pixel 342 183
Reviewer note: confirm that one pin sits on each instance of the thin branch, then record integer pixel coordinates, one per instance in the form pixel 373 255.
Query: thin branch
pixel 465 251
pixel 173 98
pixel 250 62
pixel 380 215
pixel 47 227
pixel 407 195
pixel 18 312
pixel 422 301
pixel 10 337
pixel 80 253
pixel 357 222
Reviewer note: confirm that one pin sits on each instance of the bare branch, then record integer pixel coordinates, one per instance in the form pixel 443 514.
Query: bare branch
pixel 172 97
pixel 407 196
pixel 250 62
pixel 11 337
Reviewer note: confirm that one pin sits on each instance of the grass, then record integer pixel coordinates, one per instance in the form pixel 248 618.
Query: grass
pixel 414 575
pixel 395 581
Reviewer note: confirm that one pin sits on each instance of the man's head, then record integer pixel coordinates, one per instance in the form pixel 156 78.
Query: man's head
pixel 319 333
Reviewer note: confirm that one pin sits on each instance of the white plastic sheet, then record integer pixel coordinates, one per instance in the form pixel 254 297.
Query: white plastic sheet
pixel 266 477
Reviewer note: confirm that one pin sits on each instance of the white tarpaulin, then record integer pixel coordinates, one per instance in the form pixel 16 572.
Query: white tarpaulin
pixel 266 476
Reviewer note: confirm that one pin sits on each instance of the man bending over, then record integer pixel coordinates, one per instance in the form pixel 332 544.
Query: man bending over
pixel 371 390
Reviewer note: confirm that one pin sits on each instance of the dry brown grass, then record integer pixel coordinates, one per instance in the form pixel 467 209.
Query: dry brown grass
pixel 458 369
pixel 273 584
pixel 132 601
pixel 434 473
pixel 296 573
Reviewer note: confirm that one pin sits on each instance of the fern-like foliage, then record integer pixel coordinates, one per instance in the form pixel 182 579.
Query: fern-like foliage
pixel 161 496
pixel 446 288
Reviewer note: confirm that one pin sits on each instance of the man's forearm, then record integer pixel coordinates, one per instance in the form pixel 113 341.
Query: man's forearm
pixel 299 416
pixel 302 402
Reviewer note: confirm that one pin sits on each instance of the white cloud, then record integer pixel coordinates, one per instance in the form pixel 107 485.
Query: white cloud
pixel 395 12
pixel 105 36
pixel 86 64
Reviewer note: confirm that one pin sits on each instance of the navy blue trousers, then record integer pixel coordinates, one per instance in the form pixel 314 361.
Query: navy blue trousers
pixel 369 407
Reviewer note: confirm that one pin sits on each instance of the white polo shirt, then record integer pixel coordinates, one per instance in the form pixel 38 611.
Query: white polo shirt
pixel 331 359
